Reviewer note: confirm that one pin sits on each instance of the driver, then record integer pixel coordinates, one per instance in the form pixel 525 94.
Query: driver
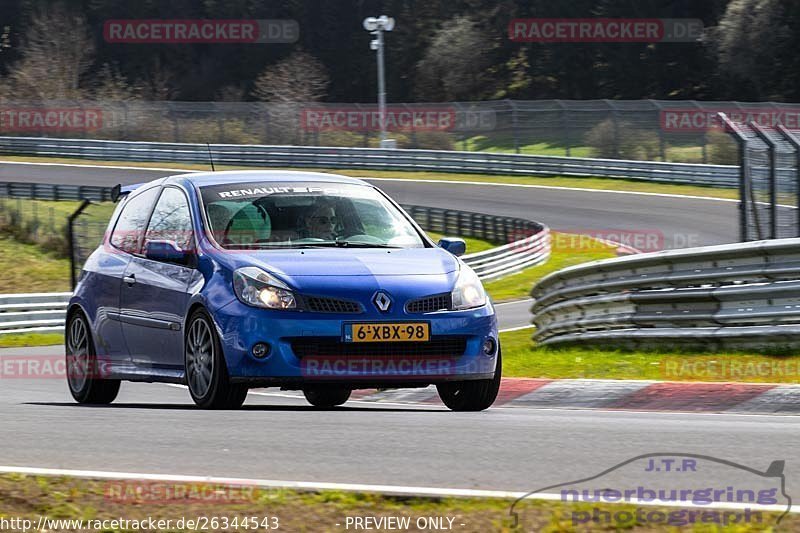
pixel 321 222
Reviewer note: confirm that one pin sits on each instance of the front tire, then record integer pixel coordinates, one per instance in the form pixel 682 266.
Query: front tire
pixel 326 397
pixel 474 395
pixel 206 370
pixel 83 368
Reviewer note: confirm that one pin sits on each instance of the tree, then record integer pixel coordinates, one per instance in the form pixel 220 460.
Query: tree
pixel 453 65
pixel 298 78
pixel 112 85
pixel 56 52
pixel 751 42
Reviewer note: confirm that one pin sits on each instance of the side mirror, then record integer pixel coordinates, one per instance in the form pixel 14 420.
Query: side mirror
pixel 454 245
pixel 166 252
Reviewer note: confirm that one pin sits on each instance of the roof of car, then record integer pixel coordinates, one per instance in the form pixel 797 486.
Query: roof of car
pixel 202 179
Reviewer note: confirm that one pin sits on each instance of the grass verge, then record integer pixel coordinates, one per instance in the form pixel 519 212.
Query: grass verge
pixel 64 498
pixel 19 340
pixel 473 245
pixel 28 268
pixel 567 250
pixel 522 358
pixel 617 184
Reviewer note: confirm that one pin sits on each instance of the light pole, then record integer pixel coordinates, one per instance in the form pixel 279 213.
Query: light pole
pixel 376 26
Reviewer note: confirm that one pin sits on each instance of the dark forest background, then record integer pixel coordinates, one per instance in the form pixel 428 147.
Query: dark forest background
pixel 440 50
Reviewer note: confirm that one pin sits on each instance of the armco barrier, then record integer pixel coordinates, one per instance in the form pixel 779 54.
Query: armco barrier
pixel 46 191
pixel 372 158
pixel 24 313
pixel 738 295
pixel 528 241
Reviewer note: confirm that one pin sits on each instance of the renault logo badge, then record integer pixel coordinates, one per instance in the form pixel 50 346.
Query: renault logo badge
pixel 382 301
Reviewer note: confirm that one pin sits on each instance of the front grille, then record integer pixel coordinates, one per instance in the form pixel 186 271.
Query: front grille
pixel 429 304
pixel 334 347
pixel 331 305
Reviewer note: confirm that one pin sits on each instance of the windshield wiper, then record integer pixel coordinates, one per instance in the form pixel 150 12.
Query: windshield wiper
pixel 358 244
pixel 264 246
pixel 353 244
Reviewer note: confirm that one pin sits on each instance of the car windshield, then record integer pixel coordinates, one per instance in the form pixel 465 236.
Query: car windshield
pixel 305 215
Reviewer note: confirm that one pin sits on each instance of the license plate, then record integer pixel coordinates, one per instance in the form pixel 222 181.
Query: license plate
pixel 388 332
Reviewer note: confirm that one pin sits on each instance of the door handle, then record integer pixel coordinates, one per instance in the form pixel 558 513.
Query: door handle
pixel 130 280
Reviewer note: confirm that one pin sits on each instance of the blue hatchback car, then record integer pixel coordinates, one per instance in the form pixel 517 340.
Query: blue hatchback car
pixel 227 281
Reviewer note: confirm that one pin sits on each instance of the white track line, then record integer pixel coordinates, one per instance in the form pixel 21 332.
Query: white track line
pixel 558 188
pixel 393 490
pixel 514 302
pixel 493 184
pixel 88 165
pixel 518 328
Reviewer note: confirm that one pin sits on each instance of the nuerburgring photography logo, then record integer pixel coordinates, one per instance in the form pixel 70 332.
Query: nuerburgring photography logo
pixel 668 489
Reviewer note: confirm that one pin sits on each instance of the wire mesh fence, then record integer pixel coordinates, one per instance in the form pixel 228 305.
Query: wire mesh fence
pixel 654 130
pixel 769 180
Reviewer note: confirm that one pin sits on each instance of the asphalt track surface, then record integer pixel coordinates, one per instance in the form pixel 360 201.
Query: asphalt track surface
pixel 676 221
pixel 155 429
pixel 664 220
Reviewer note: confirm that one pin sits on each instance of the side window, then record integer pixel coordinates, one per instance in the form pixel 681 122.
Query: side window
pixel 171 220
pixel 130 224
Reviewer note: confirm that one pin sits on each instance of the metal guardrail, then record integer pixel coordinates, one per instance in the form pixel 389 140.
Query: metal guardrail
pixel 373 159
pixel 737 295
pixel 36 312
pixel 46 191
pixel 528 241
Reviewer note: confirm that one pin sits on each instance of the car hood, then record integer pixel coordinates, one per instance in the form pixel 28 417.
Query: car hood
pixel 342 262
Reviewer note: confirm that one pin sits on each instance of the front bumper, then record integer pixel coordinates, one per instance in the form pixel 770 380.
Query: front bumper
pixel 241 327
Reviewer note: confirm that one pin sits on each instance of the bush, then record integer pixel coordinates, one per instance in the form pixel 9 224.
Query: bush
pixel 347 139
pixel 426 140
pixel 626 142
pixel 722 149
pixel 230 131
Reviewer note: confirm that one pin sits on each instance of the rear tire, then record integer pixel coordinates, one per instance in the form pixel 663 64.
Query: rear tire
pixel 474 395
pixel 206 369
pixel 326 397
pixel 82 366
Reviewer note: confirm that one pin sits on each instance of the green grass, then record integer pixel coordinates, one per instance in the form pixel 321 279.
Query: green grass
pixel 522 358
pixel 617 184
pixel 505 144
pixel 23 496
pixel 566 252
pixel 15 340
pixel 473 245
pixel 27 268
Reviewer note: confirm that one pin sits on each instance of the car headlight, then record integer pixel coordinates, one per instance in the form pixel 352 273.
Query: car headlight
pixel 468 292
pixel 255 287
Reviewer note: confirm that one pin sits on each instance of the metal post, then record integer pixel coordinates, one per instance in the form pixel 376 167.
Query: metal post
pixel 741 140
pixel 514 125
pixel 381 88
pixel 376 26
pixel 773 177
pixel 564 127
pixel 795 142
pixel 70 242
